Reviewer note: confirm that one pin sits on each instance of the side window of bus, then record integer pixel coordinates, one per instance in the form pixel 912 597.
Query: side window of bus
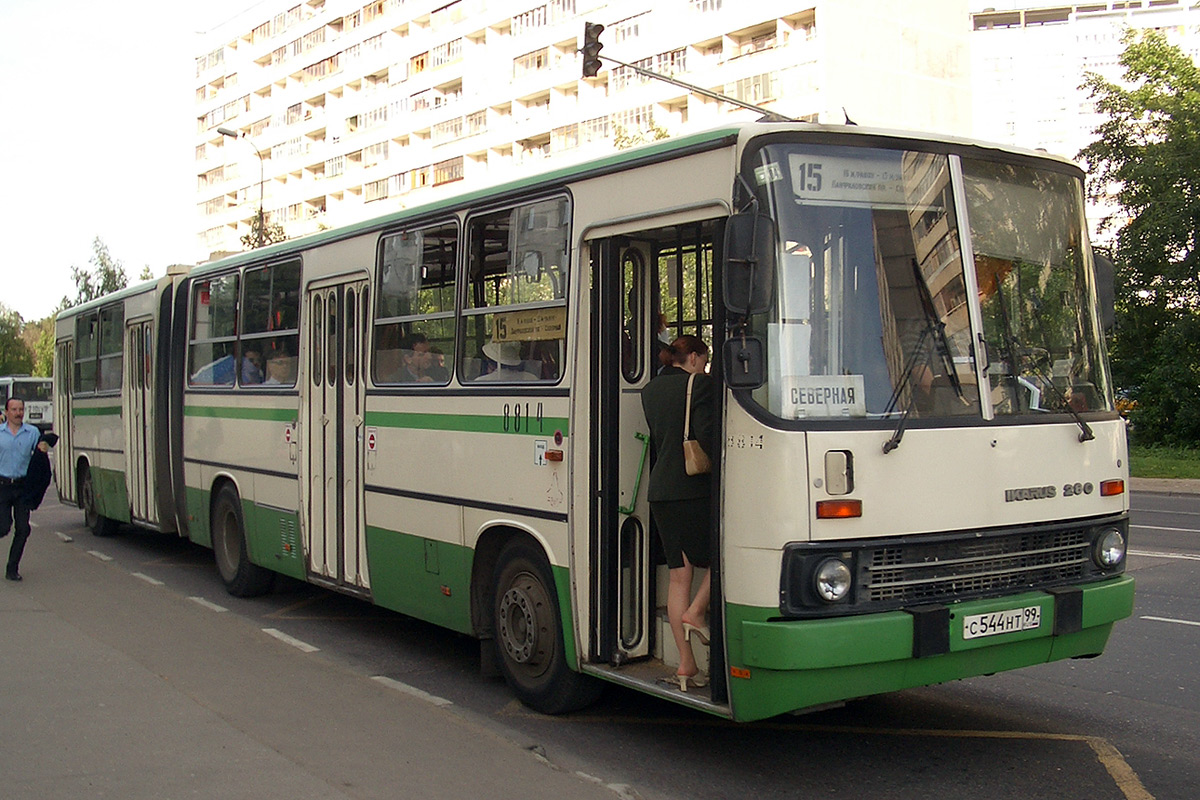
pixel 414 328
pixel 87 340
pixel 112 332
pixel 270 326
pixel 516 311
pixel 213 339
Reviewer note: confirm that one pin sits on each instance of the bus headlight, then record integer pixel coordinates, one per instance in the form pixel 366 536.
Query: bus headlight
pixel 831 580
pixel 1110 548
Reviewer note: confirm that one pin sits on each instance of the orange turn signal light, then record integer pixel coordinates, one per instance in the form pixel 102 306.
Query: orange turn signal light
pixel 839 509
pixel 554 455
pixel 739 672
pixel 1113 487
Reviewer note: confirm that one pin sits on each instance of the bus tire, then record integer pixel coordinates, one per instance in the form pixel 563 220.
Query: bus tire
pixel 241 577
pixel 99 524
pixel 529 634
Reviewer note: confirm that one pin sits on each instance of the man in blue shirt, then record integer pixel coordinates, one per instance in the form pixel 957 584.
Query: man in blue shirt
pixel 17 441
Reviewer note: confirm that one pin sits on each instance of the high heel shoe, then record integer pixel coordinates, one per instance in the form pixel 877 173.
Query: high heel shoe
pixel 701 632
pixel 697 681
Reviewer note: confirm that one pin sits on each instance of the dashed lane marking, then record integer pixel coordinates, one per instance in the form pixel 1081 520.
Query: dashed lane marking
pixel 144 577
pixel 99 555
pixel 211 606
pixel 1174 556
pixel 293 641
pixel 411 690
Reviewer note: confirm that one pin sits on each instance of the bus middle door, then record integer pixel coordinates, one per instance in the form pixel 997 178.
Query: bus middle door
pixel 335 527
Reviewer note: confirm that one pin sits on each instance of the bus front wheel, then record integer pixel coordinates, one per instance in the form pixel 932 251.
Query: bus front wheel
pixel 99 524
pixel 241 577
pixel 529 634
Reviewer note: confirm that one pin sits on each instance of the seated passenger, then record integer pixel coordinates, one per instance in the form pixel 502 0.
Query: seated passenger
pixel 252 367
pixel 414 350
pixel 509 366
pixel 281 370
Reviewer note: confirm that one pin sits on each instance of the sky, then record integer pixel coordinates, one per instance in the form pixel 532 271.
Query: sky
pixel 97 138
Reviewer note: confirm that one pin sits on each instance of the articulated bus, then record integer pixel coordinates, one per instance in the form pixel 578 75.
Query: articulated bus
pixel 37 394
pixel 921 476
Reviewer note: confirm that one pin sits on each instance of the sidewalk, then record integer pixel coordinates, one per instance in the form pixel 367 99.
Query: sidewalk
pixel 1171 486
pixel 112 688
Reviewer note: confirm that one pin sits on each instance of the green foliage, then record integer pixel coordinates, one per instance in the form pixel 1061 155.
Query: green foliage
pixel 1147 159
pixel 1164 462
pixel 272 233
pixel 107 276
pixel 15 356
pixel 624 138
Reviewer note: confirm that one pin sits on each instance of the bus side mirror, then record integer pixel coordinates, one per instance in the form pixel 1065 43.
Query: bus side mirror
pixel 1106 276
pixel 750 255
pixel 744 364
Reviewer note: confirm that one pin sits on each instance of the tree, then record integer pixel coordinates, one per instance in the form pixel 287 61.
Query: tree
pixel 273 233
pixel 15 356
pixel 623 138
pixel 1147 159
pixel 108 276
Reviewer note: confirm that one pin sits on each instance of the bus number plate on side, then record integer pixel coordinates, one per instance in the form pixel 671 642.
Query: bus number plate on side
pixel 977 626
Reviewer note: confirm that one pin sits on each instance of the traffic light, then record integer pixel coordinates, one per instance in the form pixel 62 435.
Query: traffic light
pixel 591 48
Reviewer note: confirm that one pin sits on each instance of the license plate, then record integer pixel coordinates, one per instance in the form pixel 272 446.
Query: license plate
pixel 977 626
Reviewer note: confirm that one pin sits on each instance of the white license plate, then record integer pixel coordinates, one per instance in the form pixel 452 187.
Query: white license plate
pixel 977 626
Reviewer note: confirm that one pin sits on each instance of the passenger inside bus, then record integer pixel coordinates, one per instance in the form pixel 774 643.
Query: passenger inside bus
pixel 417 359
pixel 281 369
pixel 505 364
pixel 252 367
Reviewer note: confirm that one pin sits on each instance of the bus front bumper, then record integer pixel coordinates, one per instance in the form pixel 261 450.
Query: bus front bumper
pixel 784 665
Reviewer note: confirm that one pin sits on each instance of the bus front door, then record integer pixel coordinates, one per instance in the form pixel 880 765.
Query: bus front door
pixel 624 587
pixel 335 529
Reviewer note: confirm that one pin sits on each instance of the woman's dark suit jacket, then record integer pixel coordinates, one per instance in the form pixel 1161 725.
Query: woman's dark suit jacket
pixel 663 401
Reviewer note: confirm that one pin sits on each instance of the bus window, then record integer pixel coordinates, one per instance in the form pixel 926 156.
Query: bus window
pixel 213 342
pixel 415 314
pixel 270 335
pixel 684 261
pixel 87 335
pixel 112 330
pixel 516 309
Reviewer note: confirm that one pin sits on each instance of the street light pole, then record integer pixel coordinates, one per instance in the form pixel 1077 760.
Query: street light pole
pixel 257 152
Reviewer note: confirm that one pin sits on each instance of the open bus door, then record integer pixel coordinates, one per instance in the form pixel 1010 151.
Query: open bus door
pixel 648 287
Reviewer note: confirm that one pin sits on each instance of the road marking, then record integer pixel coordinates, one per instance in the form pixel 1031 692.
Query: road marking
pixel 207 604
pixel 1109 756
pixel 293 641
pixel 147 578
pixel 1176 621
pixel 1160 528
pixel 63 536
pixel 412 690
pixel 99 555
pixel 1176 556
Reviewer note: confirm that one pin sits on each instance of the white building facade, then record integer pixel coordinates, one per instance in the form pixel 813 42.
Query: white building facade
pixel 348 111
pixel 1028 64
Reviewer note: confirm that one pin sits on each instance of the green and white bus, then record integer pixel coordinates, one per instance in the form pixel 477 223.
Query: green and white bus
pixel 922 476
pixel 37 394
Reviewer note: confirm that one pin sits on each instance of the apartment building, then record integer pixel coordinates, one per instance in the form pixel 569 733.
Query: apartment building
pixel 325 112
pixel 1028 64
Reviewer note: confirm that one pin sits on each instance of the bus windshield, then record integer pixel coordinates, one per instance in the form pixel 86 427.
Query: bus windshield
pixel 33 390
pixel 872 315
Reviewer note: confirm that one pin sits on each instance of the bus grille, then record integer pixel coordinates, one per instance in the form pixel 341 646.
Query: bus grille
pixel 936 571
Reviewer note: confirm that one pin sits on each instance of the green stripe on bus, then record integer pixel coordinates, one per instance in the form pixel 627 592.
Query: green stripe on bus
pixel 225 412
pixel 469 423
pixel 97 411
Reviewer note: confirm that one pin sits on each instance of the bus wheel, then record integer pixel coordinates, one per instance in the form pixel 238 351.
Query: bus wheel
pixel 529 634
pixel 99 524
pixel 241 578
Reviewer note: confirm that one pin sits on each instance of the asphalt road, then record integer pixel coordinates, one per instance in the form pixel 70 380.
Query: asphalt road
pixel 1126 725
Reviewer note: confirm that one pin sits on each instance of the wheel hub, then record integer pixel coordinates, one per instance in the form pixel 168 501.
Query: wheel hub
pixel 518 625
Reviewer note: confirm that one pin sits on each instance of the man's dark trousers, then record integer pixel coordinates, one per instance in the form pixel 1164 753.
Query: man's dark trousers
pixel 13 509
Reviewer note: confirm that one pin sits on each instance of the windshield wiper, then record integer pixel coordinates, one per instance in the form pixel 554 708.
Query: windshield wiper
pixel 936 328
pixel 1011 346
